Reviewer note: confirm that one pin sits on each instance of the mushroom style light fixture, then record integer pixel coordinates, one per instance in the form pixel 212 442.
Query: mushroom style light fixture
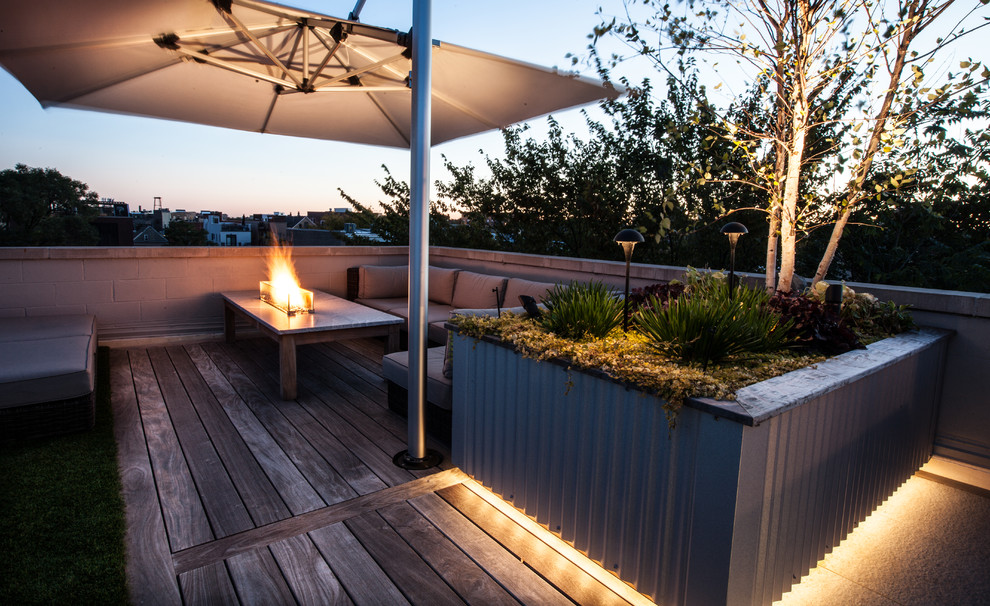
pixel 733 230
pixel 627 239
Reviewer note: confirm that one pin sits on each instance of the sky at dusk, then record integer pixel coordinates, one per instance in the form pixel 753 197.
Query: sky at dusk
pixel 192 167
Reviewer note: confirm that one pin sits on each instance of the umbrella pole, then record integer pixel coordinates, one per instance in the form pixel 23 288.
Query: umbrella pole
pixel 417 456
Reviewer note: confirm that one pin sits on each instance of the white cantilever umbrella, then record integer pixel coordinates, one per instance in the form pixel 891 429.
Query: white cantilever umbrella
pixel 256 66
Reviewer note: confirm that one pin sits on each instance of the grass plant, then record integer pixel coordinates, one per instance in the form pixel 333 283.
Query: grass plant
pixel 62 536
pixel 582 310
pixel 712 324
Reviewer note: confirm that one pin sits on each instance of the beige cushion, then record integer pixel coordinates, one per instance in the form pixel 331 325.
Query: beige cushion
pixel 474 290
pixel 383 282
pixel 517 286
pixel 50 367
pixel 442 284
pixel 389 305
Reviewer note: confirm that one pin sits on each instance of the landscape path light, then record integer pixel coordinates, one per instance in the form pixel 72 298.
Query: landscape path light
pixel 627 239
pixel 733 230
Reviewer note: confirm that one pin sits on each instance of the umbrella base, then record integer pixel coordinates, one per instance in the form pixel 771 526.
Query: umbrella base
pixel 406 461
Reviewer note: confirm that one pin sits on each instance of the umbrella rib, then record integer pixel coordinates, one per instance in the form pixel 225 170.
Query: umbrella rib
pixel 268 116
pixel 263 48
pixel 442 97
pixel 331 51
pixel 395 126
pixel 359 71
pixel 234 68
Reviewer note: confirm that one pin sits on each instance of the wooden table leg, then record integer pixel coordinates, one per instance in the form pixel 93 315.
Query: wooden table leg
pixel 228 323
pixel 287 366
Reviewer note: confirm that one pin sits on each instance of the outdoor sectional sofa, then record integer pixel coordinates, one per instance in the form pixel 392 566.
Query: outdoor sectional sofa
pixel 47 375
pixel 386 288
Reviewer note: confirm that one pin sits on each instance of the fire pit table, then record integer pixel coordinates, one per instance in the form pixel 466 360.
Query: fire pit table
pixel 333 319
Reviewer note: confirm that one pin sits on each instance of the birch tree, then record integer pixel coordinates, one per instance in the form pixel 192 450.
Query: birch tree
pixel 830 70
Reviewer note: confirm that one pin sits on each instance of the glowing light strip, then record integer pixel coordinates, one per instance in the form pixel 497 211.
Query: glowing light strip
pixel 580 560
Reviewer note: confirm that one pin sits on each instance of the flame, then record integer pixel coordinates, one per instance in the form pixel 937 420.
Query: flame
pixel 285 289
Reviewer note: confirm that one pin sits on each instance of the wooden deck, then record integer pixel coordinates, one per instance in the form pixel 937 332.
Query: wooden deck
pixel 236 496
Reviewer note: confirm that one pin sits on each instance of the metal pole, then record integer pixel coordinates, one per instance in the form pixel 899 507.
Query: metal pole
pixel 417 457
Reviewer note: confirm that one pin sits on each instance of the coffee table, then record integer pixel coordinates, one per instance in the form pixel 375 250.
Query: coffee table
pixel 336 319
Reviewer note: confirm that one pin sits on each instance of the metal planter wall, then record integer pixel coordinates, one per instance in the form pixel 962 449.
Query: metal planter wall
pixel 732 505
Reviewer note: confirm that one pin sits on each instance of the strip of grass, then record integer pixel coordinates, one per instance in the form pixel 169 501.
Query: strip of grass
pixel 62 515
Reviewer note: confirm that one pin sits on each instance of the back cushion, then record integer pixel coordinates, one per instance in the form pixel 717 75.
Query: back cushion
pixel 442 284
pixel 474 291
pixel 517 286
pixel 378 282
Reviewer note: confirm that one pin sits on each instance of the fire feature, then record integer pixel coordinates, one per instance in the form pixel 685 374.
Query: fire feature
pixel 282 290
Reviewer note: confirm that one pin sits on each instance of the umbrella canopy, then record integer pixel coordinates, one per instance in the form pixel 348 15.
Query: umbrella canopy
pixel 262 67
pixel 256 66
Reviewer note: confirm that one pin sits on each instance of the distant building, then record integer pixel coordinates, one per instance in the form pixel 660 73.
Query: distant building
pixel 225 233
pixel 109 207
pixel 149 236
pixel 114 231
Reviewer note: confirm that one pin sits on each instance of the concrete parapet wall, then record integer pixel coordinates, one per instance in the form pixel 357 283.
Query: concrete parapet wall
pixel 172 292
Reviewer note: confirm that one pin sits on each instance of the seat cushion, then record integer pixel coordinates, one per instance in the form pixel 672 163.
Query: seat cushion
pixel 46 327
pixel 442 284
pixel 395 368
pixel 383 282
pixel 47 370
pixel 392 305
pixel 473 290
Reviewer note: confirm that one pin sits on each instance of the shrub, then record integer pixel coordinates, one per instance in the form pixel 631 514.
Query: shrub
pixel 867 316
pixel 708 325
pixel 813 326
pixel 581 310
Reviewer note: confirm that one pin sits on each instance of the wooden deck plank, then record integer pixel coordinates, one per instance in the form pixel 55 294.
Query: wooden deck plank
pixel 361 476
pixel 224 548
pixel 207 586
pixel 366 583
pixel 374 419
pixel 223 505
pixel 150 575
pixel 517 578
pixel 307 573
pixel 375 408
pixel 258 579
pixel 314 466
pixel 555 568
pixel 185 518
pixel 358 367
pixel 471 582
pixel 414 577
pixel 370 453
pixel 270 483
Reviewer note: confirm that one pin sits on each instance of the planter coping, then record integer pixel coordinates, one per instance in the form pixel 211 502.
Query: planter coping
pixel 761 401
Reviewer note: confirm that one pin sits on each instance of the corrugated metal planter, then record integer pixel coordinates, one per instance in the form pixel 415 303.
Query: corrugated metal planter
pixel 737 502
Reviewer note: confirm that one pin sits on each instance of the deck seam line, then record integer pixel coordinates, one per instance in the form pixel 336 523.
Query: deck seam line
pixel 218 550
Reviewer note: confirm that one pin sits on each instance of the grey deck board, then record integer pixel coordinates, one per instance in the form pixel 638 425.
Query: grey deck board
pixel 149 566
pixel 305 505
pixel 468 580
pixel 271 485
pixel 417 580
pixel 208 585
pixel 518 579
pixel 223 505
pixel 365 581
pixel 258 579
pixel 307 573
pixel 182 510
